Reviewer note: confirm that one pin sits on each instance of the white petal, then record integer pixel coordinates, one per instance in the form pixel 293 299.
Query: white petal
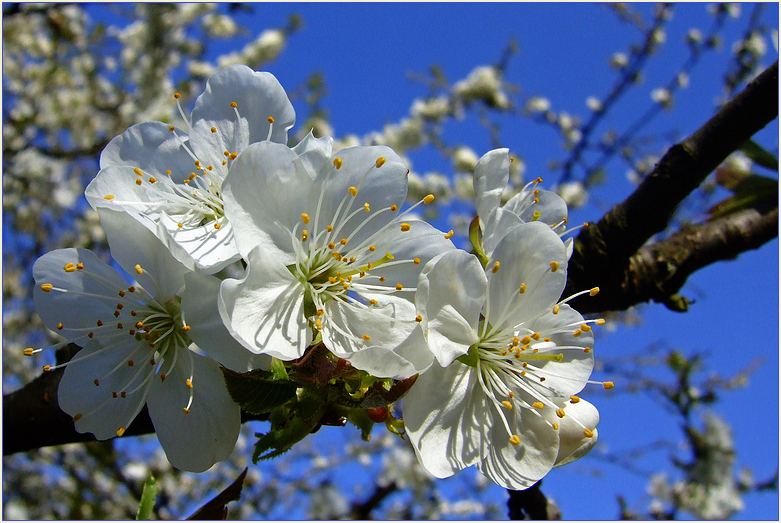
pixel 393 333
pixel 199 307
pixel 551 206
pixel 265 194
pixel 264 310
pixel 102 414
pixel 518 467
pixel 150 146
pixel 379 187
pixel 525 255
pixel 258 96
pixel 574 443
pixel 195 441
pixel 446 422
pixel 497 225
pixel 314 153
pixel 491 175
pixel 203 248
pixel 451 293
pixel 570 375
pixel 92 292
pixel 132 244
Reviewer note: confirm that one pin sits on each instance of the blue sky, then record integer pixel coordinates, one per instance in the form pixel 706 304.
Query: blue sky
pixel 365 52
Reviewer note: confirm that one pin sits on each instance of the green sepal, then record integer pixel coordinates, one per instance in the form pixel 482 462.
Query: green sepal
pixel 257 391
pixel 476 238
pixel 378 395
pixel 148 496
pixel 278 370
pixel 360 419
pixel 470 358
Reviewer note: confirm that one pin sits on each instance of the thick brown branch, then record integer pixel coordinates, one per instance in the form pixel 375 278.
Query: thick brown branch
pixel 658 271
pixel 603 250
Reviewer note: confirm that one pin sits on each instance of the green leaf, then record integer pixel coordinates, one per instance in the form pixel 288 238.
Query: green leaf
pixel 280 440
pixel 216 508
pixel 759 155
pixel 257 391
pixel 147 499
pixel 360 419
pixel 750 191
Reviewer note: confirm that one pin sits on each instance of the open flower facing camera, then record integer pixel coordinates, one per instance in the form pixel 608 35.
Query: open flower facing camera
pixel 346 302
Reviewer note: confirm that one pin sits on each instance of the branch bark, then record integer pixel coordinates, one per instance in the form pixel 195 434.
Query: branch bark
pixel 604 251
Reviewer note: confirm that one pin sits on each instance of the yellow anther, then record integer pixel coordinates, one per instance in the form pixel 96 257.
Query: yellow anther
pixel 588 433
pixel 139 325
pixel 186 410
pixel 186 328
pixel 234 105
pixel 608 385
pixel 108 197
pixel 69 267
pixel 380 162
pixel 270 119
pixel 338 162
pixel 189 383
pixel 343 241
pixel 329 228
pixel 373 302
pixel 538 405
pixel 59 326
pixel 217 225
pixel 526 340
pixel 177 95
pixel 594 291
pixel 523 288
pixel 515 440
pixel 319 324
pixel 506 404
pixel 560 413
pixel 555 426
pixel 428 199
pixel 138 182
pixel 28 351
pixel 332 245
pixel 587 350
pixel 372 248
pixel 536 336
pixel 600 321
pixel 214 129
pixel 574 399
pixel 120 431
pixel 394 208
pixel 79 266
pixel 584 327
pixel 382 279
pixel 554 266
pixel 233 156
pixel 366 207
pixel 495 268
pixel 346 286
pixel 139 270
pixel 515 341
pixel 332 279
pixel 399 286
pixel 304 235
pixel 449 234
pixel 138 171
pixel 556 309
pixel 77 417
pixel 416 261
pixel 367 337
pixel 418 318
pixel 405 227
pixel 180 225
pixel 352 190
pixel 577 333
pixel 171 128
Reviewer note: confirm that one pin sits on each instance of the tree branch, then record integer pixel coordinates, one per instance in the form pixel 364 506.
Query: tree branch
pixel 603 251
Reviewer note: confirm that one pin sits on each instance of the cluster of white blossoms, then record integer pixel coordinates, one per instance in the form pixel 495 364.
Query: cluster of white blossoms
pixel 329 256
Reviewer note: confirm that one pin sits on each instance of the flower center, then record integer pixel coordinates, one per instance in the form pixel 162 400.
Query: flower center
pixel 152 336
